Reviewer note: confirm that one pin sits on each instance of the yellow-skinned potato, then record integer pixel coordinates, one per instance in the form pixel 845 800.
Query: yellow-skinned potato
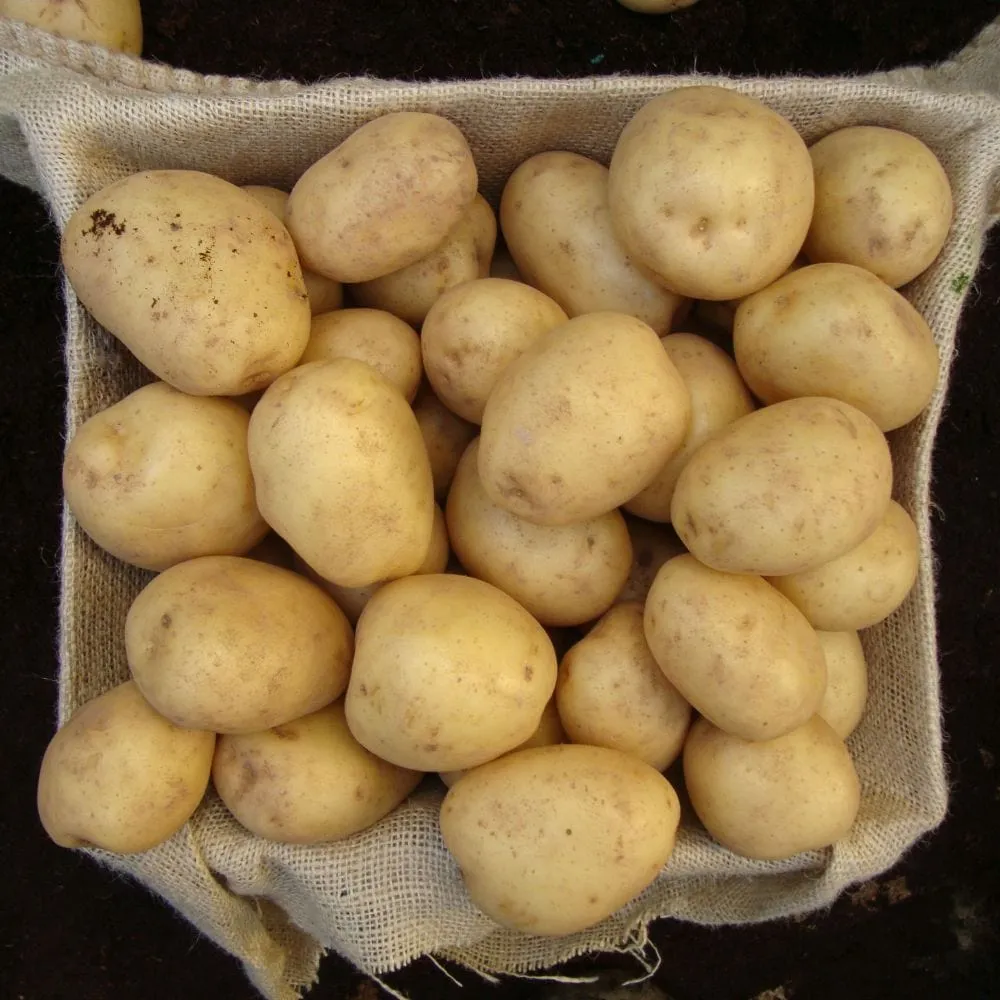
pixel 446 436
pixel 235 646
pixel 846 695
pixel 464 255
pixel 652 545
pixel 883 202
pixel 774 799
pixel 373 336
pixel 161 477
pixel 557 226
pixel 121 777
pixel 115 24
pixel 474 331
pixel 718 397
pixel 384 198
pixel 342 473
pixel 611 692
pixel 194 276
pixel 784 489
pixel 308 781
pixel 564 575
pixel 712 191
pixel 554 839
pixel 836 330
pixel 743 655
pixel 864 585
pixel 582 420
pixel 449 672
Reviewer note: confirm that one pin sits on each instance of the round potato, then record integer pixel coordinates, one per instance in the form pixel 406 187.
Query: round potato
pixel 774 799
pixel 464 255
pixel 384 198
pixel 564 575
pixel 739 652
pixel 611 692
pixel 236 646
pixel 883 202
pixel 449 672
pixel 554 839
pixel 652 546
pixel 342 473
pixel 161 477
pixel 557 226
pixel 864 585
pixel 846 695
pixel 784 489
pixel 194 276
pixel 115 24
pixel 712 191
pixel 120 777
pixel 582 420
pixel 474 331
pixel 836 330
pixel 308 781
pixel 373 336
pixel 718 397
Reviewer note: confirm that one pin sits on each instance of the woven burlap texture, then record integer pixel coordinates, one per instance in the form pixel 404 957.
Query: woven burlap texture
pixel 73 118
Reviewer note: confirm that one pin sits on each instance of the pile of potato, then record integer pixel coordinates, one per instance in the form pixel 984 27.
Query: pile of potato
pixel 559 519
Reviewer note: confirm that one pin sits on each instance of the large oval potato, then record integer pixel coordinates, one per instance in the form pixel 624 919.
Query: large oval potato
pixel 557 226
pixel 554 839
pixel 564 575
pixel 161 477
pixel 742 654
pixel 449 672
pixel 836 330
pixel 446 436
pixel 846 695
pixel 235 646
pixel 774 799
pixel 121 777
pixel 384 198
pixel 342 473
pixel 307 781
pixel 712 191
pixel 194 276
pixel 115 24
pixel 784 489
pixel 582 420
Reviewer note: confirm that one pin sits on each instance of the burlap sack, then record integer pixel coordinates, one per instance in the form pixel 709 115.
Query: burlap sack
pixel 73 118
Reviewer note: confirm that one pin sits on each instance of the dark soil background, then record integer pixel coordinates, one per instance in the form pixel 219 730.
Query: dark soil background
pixel 928 928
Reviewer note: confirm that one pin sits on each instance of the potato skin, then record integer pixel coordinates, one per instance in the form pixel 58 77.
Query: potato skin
pixel 115 24
pixel 121 777
pixel 554 839
pixel 843 705
pixel 194 276
pixel 446 436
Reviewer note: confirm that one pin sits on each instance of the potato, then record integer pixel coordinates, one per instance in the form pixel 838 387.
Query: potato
pixel 377 338
pixel 553 840
pixel 883 202
pixel 115 24
pixel 474 331
pixel 864 585
pixel 836 330
pixel 784 489
pixel 843 704
pixel 712 191
pixel 464 255
pixel 557 226
pixel 652 546
pixel 324 294
pixel 743 655
pixel 564 575
pixel 774 799
pixel 384 198
pixel 611 692
pixel 194 276
pixel 236 646
pixel 449 672
pixel 582 420
pixel 342 473
pixel 446 436
pixel 718 397
pixel 307 781
pixel 120 777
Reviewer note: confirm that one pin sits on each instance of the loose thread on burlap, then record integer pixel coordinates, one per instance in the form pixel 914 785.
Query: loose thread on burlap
pixel 637 950
pixel 386 988
pixel 441 968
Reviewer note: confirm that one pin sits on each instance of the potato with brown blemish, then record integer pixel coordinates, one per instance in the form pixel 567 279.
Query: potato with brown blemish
pixel 846 694
pixel 446 436
pixel 115 24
